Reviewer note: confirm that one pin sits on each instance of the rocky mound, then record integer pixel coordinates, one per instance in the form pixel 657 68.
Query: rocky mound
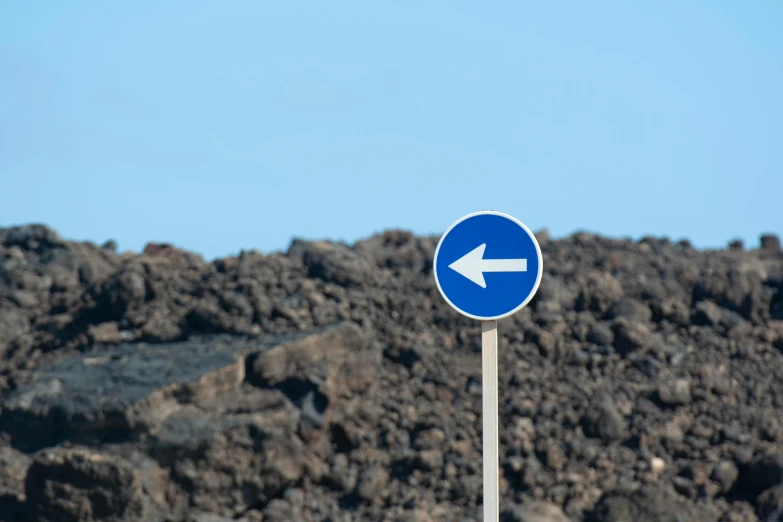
pixel 644 383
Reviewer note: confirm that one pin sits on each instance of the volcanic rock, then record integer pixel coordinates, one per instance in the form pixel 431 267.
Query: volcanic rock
pixel 535 512
pixel 76 484
pixel 333 383
pixel 647 504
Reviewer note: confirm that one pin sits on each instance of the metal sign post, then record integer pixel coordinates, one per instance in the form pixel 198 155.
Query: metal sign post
pixel 488 265
pixel 489 396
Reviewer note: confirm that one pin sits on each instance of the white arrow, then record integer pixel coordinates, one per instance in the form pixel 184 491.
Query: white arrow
pixel 473 265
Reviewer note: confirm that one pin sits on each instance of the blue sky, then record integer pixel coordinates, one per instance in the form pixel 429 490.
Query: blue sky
pixel 220 126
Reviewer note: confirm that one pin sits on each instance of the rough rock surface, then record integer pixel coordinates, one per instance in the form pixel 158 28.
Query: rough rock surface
pixel 69 484
pixel 332 383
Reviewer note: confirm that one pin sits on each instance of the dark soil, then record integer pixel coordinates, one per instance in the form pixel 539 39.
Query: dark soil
pixel 644 383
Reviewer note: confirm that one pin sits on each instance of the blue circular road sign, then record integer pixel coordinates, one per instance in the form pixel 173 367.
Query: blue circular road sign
pixel 488 265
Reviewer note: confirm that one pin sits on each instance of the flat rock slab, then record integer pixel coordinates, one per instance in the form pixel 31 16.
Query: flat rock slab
pixel 117 393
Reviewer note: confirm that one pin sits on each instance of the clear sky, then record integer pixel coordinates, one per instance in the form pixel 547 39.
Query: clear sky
pixel 220 126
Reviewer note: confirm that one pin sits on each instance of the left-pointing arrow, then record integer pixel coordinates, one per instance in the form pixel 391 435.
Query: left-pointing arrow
pixel 473 265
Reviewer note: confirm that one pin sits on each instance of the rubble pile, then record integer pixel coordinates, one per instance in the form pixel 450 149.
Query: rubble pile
pixel 332 383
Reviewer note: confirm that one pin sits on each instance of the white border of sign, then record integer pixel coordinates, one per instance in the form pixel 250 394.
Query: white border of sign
pixel 539 275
